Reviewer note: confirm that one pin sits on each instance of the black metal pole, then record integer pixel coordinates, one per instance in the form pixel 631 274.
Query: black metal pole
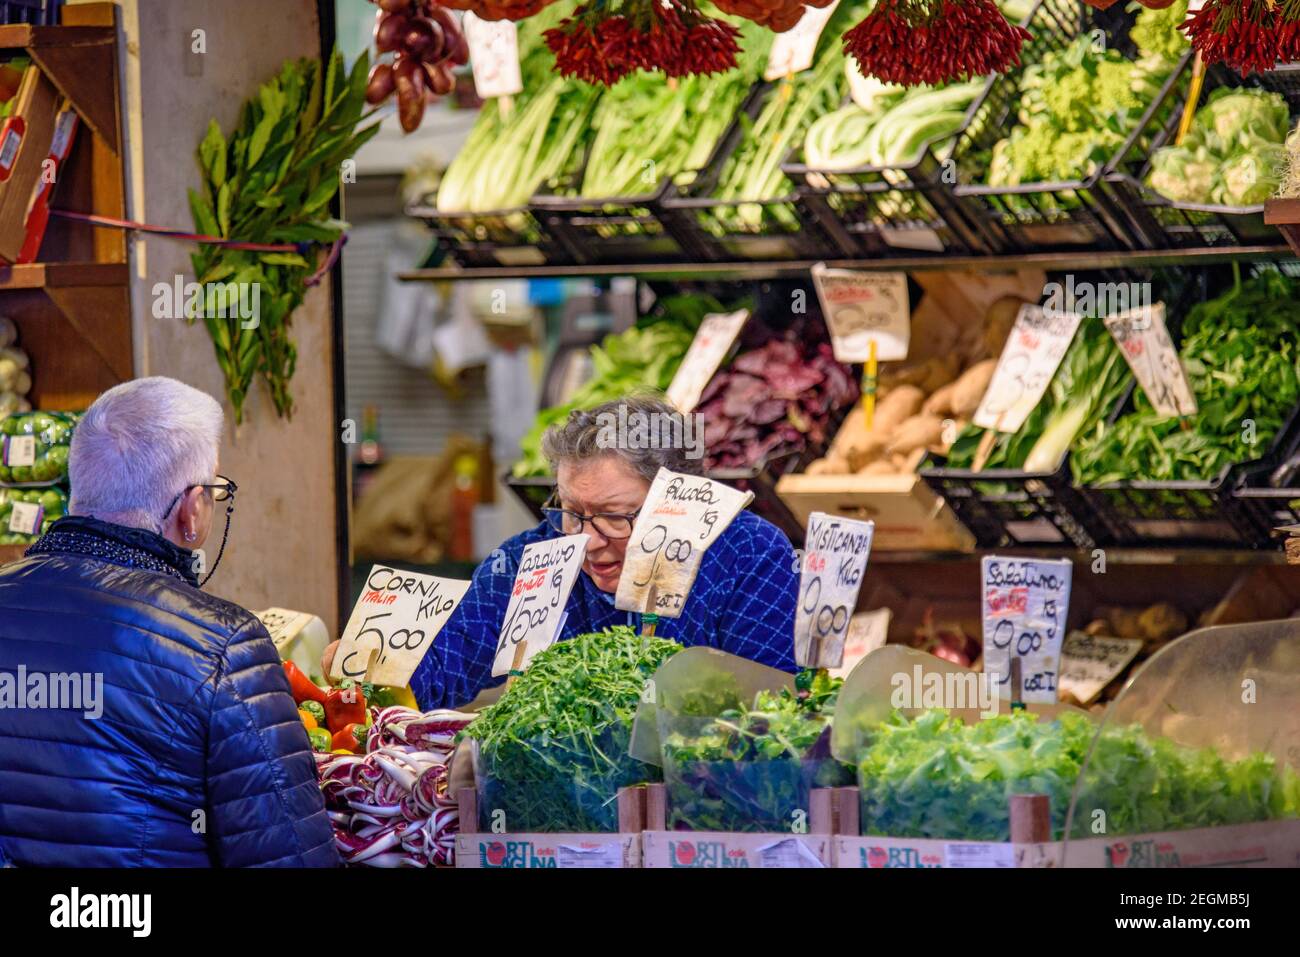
pixel 325 13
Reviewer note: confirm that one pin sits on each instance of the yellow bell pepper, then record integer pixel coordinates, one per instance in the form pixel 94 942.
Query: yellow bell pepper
pixel 306 718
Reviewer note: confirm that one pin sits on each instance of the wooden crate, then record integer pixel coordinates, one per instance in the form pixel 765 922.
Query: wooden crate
pixel 907 513
pixel 718 849
pixel 620 849
pixel 1261 844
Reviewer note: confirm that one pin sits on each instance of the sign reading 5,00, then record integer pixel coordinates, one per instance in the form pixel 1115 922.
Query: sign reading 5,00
pixel 547 571
pixel 393 624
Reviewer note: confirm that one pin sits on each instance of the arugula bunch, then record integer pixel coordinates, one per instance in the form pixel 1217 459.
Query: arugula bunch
pixel 553 750
pixel 1242 356
pixel 272 182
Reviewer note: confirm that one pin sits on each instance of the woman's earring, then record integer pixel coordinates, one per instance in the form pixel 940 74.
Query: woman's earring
pixel 190 536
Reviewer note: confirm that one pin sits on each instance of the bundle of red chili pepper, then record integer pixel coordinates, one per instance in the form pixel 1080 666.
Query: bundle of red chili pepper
pixel 1247 35
pixel 934 41
pixel 606 40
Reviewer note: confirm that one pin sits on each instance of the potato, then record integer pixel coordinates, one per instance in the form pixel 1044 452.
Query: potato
pixel 1161 622
pixel 1098 626
pixel 940 402
pixel 899 403
pixel 915 458
pixel 916 433
pixel 878 467
pixel 999 319
pixel 1123 622
pixel 943 370
pixel 826 467
pixel 970 388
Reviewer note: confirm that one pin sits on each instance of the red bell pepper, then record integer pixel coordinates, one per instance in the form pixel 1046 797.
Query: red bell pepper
pixel 351 738
pixel 344 706
pixel 301 687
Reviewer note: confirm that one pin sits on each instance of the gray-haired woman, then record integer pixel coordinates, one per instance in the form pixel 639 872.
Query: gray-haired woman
pixel 142 722
pixel 604 460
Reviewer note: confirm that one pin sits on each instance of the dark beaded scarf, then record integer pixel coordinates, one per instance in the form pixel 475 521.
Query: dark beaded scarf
pixel 118 545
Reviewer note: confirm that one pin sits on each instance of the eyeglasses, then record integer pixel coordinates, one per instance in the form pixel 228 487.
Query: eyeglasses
pixel 222 490
pixel 612 525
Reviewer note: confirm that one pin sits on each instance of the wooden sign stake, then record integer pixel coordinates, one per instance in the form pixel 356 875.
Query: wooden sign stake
pixel 1031 819
pixel 1016 703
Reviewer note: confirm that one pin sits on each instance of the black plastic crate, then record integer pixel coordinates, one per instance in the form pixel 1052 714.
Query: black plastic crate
pixel 44 13
pixel 508 237
pixel 1160 223
pixel 912 209
pixel 1010 508
pixel 1271 506
pixel 787 227
pixel 612 230
pixel 1212 512
pixel 1033 217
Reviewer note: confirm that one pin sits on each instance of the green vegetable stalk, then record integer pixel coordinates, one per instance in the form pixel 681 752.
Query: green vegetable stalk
pixel 512 152
pixel 272 183
pixel 936 777
pixel 553 751
pixel 1091 379
pixel 1241 352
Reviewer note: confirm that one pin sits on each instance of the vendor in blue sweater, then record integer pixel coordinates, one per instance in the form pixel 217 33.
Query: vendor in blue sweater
pixel 743 599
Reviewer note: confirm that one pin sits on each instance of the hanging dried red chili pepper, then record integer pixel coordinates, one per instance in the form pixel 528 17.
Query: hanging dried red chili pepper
pixel 1247 35
pixel 934 41
pixel 777 15
pixel 606 40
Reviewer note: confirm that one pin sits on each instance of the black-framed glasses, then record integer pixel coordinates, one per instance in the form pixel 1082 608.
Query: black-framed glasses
pixel 612 525
pixel 222 490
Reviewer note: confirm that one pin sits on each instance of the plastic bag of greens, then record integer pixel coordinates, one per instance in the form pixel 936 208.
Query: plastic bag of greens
pixel 26 514
pixel 937 756
pixel 35 450
pixel 741 745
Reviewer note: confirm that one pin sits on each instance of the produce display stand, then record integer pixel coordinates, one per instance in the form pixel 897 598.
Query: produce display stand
pixel 1160 223
pixel 914 207
pixel 664 848
pixel 72 306
pixel 1284 214
pixel 621 849
pixel 1034 216
pixel 507 237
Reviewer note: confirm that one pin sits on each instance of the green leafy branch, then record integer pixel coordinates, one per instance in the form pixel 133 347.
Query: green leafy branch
pixel 272 182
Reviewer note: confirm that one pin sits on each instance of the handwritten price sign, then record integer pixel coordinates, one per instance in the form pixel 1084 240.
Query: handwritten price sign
pixel 837 551
pixel 864 306
pixel 1026 602
pixel 535 614
pixel 793 51
pixel 710 346
pixel 1037 344
pixel 1144 340
pixel 493 56
pixel 682 516
pixel 1090 662
pixel 393 625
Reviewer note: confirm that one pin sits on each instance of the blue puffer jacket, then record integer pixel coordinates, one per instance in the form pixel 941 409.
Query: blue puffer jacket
pixel 198 757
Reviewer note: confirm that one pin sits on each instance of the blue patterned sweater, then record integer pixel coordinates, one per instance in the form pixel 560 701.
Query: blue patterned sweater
pixel 742 602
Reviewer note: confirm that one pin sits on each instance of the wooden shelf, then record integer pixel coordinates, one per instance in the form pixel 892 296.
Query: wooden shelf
pixel 63 275
pixel 11 553
pixel 1081 259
